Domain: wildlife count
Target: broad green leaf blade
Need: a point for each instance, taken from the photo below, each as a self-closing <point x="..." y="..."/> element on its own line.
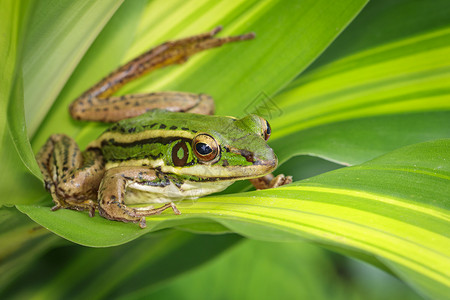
<point x="405" y="76"/>
<point x="58" y="37"/>
<point x="16" y="124"/>
<point x="104" y="55"/>
<point x="278" y="54"/>
<point x="235" y="74"/>
<point x="14" y="17"/>
<point x="409" y="76"/>
<point x="356" y="140"/>
<point x="394" y="207"/>
<point x="359" y="99"/>
<point x="383" y="22"/>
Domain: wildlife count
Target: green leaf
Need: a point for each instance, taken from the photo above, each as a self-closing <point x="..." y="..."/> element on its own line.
<point x="343" y="110"/>
<point x="57" y="39"/>
<point x="394" y="208"/>
<point x="383" y="22"/>
<point x="235" y="74"/>
<point x="355" y="141"/>
<point x="14" y="18"/>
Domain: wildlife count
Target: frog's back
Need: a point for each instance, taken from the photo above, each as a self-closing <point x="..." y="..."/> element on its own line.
<point x="148" y="135"/>
<point x="156" y="138"/>
<point x="168" y="121"/>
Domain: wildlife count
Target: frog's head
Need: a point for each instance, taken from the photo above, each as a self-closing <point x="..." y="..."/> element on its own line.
<point x="226" y="148"/>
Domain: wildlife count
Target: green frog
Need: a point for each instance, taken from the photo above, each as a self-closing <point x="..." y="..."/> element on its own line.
<point x="163" y="147"/>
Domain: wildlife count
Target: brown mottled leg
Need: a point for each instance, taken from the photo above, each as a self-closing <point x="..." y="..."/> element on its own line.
<point x="112" y="191"/>
<point x="96" y="103"/>
<point x="128" y="106"/>
<point x="269" y="181"/>
<point x="71" y="176"/>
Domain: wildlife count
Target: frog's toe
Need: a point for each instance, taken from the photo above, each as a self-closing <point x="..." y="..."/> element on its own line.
<point x="280" y="180"/>
<point x="92" y="211"/>
<point x="142" y="223"/>
<point x="48" y="185"/>
<point x="175" y="209"/>
<point x="56" y="207"/>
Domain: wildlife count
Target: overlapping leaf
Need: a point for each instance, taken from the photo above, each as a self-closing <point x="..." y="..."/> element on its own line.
<point x="361" y="106"/>
<point x="385" y="208"/>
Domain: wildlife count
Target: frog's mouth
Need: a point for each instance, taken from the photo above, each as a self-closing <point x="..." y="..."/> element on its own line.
<point x="224" y="173"/>
<point x="242" y="164"/>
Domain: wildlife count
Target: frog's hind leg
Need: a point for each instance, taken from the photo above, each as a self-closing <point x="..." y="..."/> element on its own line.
<point x="96" y="104"/>
<point x="71" y="176"/>
<point x="128" y="106"/>
<point x="112" y="191"/>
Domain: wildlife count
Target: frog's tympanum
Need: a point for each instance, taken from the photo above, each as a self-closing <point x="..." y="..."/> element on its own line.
<point x="164" y="146"/>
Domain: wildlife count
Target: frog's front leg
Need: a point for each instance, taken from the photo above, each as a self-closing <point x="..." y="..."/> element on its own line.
<point x="270" y="181"/>
<point x="112" y="192"/>
<point x="71" y="176"/>
<point x="97" y="104"/>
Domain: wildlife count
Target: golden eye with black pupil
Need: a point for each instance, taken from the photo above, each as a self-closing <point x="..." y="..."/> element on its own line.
<point x="206" y="148"/>
<point x="203" y="149"/>
<point x="266" y="130"/>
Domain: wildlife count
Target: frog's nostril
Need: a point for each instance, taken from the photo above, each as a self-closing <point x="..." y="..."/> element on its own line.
<point x="249" y="156"/>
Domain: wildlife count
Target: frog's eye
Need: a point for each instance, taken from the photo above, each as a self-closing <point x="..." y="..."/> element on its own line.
<point x="266" y="130"/>
<point x="206" y="148"/>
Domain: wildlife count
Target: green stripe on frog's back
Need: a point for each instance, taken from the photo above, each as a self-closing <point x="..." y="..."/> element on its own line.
<point x="165" y="120"/>
<point x="136" y="137"/>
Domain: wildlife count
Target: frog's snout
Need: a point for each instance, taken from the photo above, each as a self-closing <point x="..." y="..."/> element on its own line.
<point x="266" y="159"/>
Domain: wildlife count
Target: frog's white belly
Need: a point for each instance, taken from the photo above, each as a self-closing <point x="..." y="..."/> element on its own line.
<point x="142" y="194"/>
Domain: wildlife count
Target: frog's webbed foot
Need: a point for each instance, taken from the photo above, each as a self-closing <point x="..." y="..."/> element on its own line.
<point x="97" y="104"/>
<point x="71" y="177"/>
<point x="112" y="191"/>
<point x="269" y="181"/>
